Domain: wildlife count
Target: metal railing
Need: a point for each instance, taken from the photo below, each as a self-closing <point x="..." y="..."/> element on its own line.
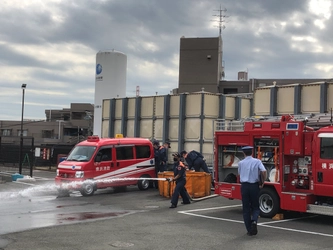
<point x="227" y="125"/>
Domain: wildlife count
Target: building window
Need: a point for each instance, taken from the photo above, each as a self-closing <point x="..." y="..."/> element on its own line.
<point x="47" y="133"/>
<point x="25" y="132"/>
<point x="230" y="91"/>
<point x="78" y="115"/>
<point x="6" y="132"/>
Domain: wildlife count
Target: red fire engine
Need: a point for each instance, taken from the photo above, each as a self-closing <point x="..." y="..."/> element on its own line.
<point x="298" y="158"/>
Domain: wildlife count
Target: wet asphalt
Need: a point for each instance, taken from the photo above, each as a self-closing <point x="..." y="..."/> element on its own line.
<point x="33" y="217"/>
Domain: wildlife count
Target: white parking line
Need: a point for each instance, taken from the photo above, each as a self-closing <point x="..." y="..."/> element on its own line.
<point x="286" y="220"/>
<point x="210" y="217"/>
<point x="298" y="231"/>
<point x="211" y="208"/>
<point x="264" y="224"/>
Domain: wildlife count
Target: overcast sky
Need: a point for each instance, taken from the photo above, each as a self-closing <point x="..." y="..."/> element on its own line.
<point x="51" y="45"/>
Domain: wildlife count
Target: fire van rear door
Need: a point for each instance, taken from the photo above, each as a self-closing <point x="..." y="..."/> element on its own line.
<point x="125" y="166"/>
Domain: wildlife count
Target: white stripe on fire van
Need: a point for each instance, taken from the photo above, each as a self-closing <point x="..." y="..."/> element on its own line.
<point x="128" y="170"/>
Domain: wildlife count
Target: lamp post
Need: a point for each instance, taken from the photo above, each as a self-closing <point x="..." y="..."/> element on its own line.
<point x="21" y="131"/>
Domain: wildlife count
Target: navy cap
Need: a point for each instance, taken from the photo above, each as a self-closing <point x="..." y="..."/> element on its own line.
<point x="247" y="148"/>
<point x="156" y="142"/>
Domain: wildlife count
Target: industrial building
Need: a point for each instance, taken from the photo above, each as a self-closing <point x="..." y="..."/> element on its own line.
<point x="64" y="127"/>
<point x="201" y="68"/>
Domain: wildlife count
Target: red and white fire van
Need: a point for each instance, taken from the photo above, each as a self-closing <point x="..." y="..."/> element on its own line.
<point x="106" y="162"/>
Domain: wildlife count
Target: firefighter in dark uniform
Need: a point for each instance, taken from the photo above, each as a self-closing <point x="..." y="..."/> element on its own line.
<point x="195" y="161"/>
<point x="251" y="171"/>
<point x="179" y="171"/>
<point x="156" y="145"/>
<point x="163" y="156"/>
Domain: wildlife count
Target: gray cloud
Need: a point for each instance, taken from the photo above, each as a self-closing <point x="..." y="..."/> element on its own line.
<point x="52" y="47"/>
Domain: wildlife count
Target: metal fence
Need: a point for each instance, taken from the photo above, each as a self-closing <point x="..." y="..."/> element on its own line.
<point x="10" y="152"/>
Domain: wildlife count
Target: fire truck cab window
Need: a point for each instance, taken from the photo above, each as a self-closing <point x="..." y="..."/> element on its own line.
<point x="124" y="153"/>
<point x="326" y="148"/>
<point x="142" y="151"/>
<point x="81" y="153"/>
<point x="104" y="154"/>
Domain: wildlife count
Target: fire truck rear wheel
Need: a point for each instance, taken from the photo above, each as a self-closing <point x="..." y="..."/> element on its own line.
<point x="143" y="184"/>
<point x="88" y="188"/>
<point x="269" y="203"/>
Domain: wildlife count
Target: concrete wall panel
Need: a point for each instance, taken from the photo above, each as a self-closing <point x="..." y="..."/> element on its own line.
<point x="146" y="129"/>
<point x="310" y="92"/>
<point x="130" y="128"/>
<point x="147" y="107"/>
<point x="117" y="128"/>
<point x="208" y="129"/>
<point x="230" y="107"/>
<point x="192" y="129"/>
<point x="119" y="108"/>
<point x="173" y="129"/>
<point x="211" y="108"/>
<point x="131" y="107"/>
<point x="245" y="108"/>
<point x="193" y="105"/>
<point x="285" y="100"/>
<point x="261" y="96"/>
<point x="105" y="128"/>
<point x="188" y="146"/>
<point x="207" y="148"/>
<point x="158" y="132"/>
<point x="330" y="96"/>
<point x="159" y="107"/>
<point x="106" y="110"/>
<point x="174" y="105"/>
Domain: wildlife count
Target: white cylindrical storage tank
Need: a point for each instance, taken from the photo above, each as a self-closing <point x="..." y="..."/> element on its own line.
<point x="110" y="82"/>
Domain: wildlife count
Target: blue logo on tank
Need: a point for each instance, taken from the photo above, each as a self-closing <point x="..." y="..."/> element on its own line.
<point x="98" y="69"/>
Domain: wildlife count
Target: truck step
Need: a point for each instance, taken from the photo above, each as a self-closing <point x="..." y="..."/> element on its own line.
<point x="320" y="209"/>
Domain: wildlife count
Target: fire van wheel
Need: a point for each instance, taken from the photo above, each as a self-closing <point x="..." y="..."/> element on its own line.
<point x="269" y="203"/>
<point x="88" y="188"/>
<point x="143" y="183"/>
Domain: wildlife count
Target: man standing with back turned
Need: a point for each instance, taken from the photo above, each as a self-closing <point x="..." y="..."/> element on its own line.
<point x="251" y="171"/>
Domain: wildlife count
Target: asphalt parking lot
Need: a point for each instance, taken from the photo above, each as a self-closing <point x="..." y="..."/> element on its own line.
<point x="135" y="219"/>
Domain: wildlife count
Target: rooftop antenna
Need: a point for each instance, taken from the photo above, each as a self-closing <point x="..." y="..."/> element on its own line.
<point x="221" y="20"/>
<point x="222" y="16"/>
